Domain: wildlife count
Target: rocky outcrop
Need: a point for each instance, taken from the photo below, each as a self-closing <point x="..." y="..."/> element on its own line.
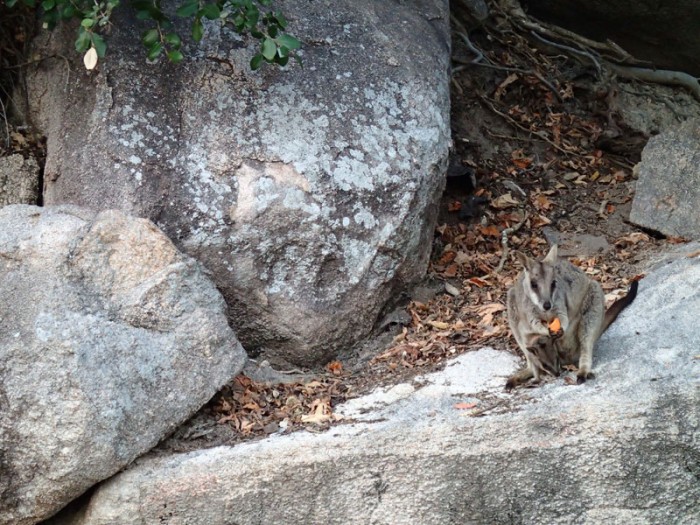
<point x="109" y="338"/>
<point x="309" y="194"/>
<point x="667" y="197"/>
<point x="623" y="448"/>
<point x="19" y="180"/>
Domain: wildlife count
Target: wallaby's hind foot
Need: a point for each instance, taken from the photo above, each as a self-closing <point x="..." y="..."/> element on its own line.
<point x="520" y="377"/>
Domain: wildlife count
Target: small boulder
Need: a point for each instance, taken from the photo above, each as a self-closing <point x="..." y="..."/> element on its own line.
<point x="667" y="198"/>
<point x="109" y="338"/>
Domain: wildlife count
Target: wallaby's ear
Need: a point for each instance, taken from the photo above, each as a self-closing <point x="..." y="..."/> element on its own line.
<point x="551" y="257"/>
<point x="525" y="260"/>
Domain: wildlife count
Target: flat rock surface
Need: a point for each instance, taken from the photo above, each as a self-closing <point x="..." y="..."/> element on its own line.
<point x="667" y="198"/>
<point x="109" y="339"/>
<point x="452" y="447"/>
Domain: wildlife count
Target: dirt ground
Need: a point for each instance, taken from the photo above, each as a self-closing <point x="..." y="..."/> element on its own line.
<point x="544" y="152"/>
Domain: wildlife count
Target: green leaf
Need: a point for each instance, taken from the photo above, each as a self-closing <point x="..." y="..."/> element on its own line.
<point x="68" y="11"/>
<point x="197" y="29"/>
<point x="99" y="44"/>
<point x="210" y="11"/>
<point x="282" y="61"/>
<point x="10" y="3"/>
<point x="282" y="52"/>
<point x="46" y="5"/>
<point x="188" y="8"/>
<point x="281" y="20"/>
<point x="173" y="39"/>
<point x="83" y="42"/>
<point x="272" y="31"/>
<point x="251" y="19"/>
<point x="87" y="23"/>
<point x="288" y="41"/>
<point x="269" y="48"/>
<point x="256" y="61"/>
<point x="154" y="51"/>
<point x="266" y="3"/>
<point x="150" y="37"/>
<point x="175" y="56"/>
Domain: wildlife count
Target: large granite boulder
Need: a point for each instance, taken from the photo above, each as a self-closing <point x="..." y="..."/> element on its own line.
<point x="667" y="197"/>
<point x="623" y="448"/>
<point x="309" y="194"/>
<point x="109" y="338"/>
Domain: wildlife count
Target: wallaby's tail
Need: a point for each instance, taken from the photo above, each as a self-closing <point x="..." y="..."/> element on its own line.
<point x="619" y="305"/>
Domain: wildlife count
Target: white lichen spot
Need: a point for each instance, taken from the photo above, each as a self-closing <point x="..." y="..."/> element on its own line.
<point x="133" y="159"/>
<point x="365" y="218"/>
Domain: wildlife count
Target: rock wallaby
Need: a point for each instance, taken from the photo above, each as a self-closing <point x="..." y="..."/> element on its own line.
<point x="549" y="289"/>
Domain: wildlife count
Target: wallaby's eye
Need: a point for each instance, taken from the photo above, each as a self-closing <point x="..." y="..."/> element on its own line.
<point x="534" y="285"/>
<point x="554" y="285"/>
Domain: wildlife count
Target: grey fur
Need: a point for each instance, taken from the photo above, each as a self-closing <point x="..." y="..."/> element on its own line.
<point x="575" y="299"/>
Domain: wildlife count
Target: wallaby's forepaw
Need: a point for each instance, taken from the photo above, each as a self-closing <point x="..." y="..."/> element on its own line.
<point x="582" y="376"/>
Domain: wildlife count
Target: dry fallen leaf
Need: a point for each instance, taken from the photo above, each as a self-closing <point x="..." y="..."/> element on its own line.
<point x="464" y="406"/>
<point x="439" y="325"/>
<point x="632" y="239"/>
<point x="490" y="231"/>
<point x="504" y="201"/>
<point x="320" y="412"/>
<point x="541" y="202"/>
<point x="335" y="368"/>
<point x="503" y="85"/>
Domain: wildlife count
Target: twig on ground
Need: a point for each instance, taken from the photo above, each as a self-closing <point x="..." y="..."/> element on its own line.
<point x="570" y="49"/>
<point x="504" y="242"/>
<point x="480" y="56"/>
<point x="539" y="134"/>
<point x="7" y="125"/>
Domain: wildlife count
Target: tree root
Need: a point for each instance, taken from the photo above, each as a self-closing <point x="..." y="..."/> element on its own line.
<point x="504" y="242"/>
<point x="617" y="60"/>
<point x="658" y="76"/>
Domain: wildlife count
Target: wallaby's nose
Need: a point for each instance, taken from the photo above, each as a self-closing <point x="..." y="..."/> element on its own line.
<point x="547" y="305"/>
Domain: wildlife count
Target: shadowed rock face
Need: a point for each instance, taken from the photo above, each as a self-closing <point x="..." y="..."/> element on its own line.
<point x="667" y="196"/>
<point x="623" y="448"/>
<point x="664" y="32"/>
<point x="310" y="194"/>
<point x="109" y="339"/>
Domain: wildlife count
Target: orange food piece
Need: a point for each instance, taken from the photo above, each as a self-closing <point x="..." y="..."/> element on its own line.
<point x="555" y="325"/>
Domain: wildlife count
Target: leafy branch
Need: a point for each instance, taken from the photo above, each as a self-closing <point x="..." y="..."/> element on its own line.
<point x="246" y="17"/>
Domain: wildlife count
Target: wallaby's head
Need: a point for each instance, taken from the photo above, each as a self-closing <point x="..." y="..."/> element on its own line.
<point x="540" y="283"/>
